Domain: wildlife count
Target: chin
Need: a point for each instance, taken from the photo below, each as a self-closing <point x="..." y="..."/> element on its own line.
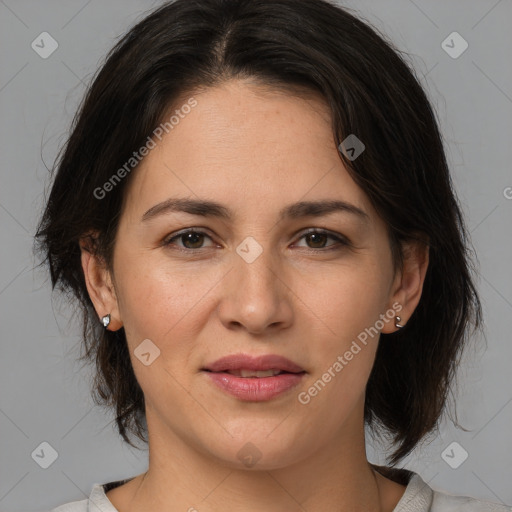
<point x="257" y="450"/>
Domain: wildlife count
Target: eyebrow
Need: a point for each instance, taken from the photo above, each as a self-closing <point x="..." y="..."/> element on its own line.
<point x="297" y="210"/>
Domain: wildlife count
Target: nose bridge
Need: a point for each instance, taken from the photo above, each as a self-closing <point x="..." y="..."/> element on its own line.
<point x="255" y="262"/>
<point x="255" y="298"/>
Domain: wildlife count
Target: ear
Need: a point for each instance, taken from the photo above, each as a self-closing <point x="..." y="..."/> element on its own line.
<point x="99" y="284"/>
<point x="408" y="283"/>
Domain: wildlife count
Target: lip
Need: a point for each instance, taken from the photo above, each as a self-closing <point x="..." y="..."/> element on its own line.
<point x="254" y="389"/>
<point x="259" y="363"/>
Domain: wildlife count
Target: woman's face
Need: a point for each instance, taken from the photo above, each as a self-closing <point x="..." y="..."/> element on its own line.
<point x="251" y="280"/>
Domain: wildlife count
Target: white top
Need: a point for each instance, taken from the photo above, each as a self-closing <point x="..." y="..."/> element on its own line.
<point x="418" y="497"/>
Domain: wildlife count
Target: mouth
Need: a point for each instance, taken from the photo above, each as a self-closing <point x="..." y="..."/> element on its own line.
<point x="254" y="379"/>
<point x="244" y="373"/>
<point x="244" y="364"/>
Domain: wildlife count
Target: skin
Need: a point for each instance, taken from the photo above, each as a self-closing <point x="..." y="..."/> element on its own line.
<point x="255" y="151"/>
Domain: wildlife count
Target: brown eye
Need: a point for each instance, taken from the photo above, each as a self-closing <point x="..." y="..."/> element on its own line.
<point x="318" y="239"/>
<point x="192" y="240"/>
<point x="189" y="240"/>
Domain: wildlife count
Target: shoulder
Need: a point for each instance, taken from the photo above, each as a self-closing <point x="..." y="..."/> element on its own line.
<point x="444" y="502"/>
<point x="75" y="506"/>
<point x="420" y="497"/>
<point x="97" y="502"/>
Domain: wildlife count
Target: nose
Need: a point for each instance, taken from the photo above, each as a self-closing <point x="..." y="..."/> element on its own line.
<point x="255" y="296"/>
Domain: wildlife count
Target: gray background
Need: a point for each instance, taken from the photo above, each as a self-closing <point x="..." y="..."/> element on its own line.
<point x="45" y="395"/>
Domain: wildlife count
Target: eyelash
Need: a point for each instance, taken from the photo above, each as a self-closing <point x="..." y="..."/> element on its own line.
<point x="338" y="238"/>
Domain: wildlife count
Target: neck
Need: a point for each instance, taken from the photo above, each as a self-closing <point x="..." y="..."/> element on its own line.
<point x="335" y="477"/>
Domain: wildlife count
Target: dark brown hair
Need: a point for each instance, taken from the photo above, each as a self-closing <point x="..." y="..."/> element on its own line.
<point x="188" y="45"/>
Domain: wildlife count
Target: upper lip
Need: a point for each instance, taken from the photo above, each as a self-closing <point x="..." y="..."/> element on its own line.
<point x="259" y="363"/>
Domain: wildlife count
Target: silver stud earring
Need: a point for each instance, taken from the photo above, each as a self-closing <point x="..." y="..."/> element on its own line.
<point x="397" y="322"/>
<point x="106" y="320"/>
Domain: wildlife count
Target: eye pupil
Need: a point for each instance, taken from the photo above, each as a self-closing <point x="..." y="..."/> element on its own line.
<point x="196" y="239"/>
<point x="318" y="239"/>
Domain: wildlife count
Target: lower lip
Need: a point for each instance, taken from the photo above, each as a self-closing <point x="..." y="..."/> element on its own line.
<point x="255" y="389"/>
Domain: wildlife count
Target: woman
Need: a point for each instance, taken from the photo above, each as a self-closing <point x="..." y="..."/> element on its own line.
<point x="255" y="212"/>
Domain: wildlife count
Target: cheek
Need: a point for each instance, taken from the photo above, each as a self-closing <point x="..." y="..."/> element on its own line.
<point x="344" y="308"/>
<point x="158" y="301"/>
<point x="169" y="308"/>
<point x="342" y="302"/>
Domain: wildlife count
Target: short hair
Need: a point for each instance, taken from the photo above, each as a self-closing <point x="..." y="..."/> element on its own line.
<point x="188" y="46"/>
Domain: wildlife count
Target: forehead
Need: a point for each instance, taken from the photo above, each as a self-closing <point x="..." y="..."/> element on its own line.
<point x="244" y="144"/>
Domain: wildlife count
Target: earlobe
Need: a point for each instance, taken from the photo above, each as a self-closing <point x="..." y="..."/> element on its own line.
<point x="410" y="283"/>
<point x="100" y="288"/>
